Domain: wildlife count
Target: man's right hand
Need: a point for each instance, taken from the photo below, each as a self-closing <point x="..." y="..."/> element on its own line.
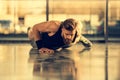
<point x="46" y="51"/>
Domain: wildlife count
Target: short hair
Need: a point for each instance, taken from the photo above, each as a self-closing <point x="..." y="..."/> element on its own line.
<point x="69" y="24"/>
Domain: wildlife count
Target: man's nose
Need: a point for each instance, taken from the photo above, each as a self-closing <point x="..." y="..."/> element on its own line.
<point x="69" y="36"/>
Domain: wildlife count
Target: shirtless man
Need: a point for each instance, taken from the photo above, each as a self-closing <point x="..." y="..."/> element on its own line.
<point x="52" y="35"/>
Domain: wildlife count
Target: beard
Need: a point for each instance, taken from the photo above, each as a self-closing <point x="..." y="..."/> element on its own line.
<point x="67" y="41"/>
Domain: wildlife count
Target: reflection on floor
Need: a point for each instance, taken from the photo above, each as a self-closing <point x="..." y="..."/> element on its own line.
<point x="18" y="62"/>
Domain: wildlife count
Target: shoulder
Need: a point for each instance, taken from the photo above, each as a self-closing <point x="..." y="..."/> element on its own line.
<point x="53" y="25"/>
<point x="47" y="26"/>
<point x="79" y="27"/>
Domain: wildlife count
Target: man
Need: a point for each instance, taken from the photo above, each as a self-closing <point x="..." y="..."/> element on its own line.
<point x="52" y="35"/>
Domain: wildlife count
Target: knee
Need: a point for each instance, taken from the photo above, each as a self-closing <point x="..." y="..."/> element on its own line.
<point x="30" y="34"/>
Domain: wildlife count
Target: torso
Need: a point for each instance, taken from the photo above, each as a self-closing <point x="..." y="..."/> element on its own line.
<point x="53" y="41"/>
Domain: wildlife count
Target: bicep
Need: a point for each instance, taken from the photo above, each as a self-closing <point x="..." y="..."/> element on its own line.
<point x="79" y="32"/>
<point x="37" y="29"/>
<point x="40" y="28"/>
<point x="79" y="28"/>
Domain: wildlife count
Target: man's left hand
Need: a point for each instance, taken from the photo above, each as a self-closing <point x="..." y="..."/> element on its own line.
<point x="46" y="51"/>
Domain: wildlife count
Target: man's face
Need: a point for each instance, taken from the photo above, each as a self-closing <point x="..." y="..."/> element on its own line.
<point x="68" y="36"/>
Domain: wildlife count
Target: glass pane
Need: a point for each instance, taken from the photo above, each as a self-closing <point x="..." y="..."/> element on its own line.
<point x="18" y="15"/>
<point x="114" y="19"/>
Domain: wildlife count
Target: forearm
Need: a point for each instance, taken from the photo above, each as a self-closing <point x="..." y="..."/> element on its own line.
<point x="39" y="44"/>
<point x="37" y="37"/>
<point x="85" y="41"/>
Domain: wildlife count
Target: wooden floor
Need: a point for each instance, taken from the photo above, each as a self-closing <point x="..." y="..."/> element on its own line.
<point x="21" y="62"/>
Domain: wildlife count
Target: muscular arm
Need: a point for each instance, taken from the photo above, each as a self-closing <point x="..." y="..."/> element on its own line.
<point x="50" y="26"/>
<point x="37" y="29"/>
<point x="79" y="30"/>
<point x="81" y="38"/>
<point x="85" y="41"/>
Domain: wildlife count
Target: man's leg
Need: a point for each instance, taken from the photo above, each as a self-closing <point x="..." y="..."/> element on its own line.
<point x="33" y="44"/>
<point x="31" y="38"/>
